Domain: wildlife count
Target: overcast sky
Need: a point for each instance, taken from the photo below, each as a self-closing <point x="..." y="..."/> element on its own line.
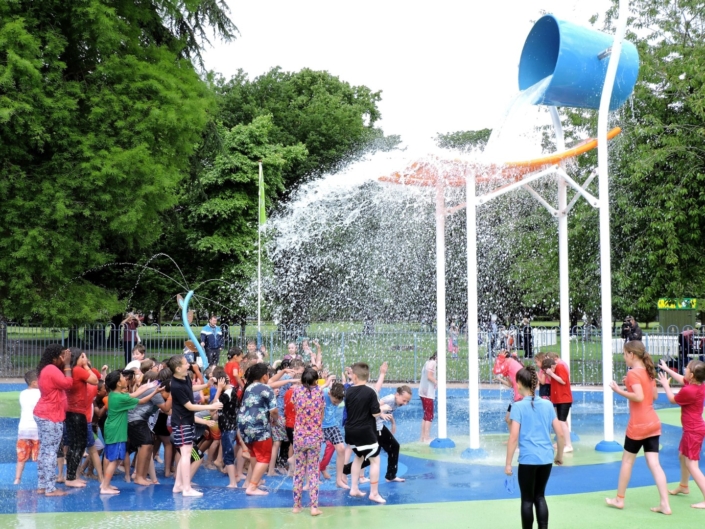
<point x="442" y="66"/>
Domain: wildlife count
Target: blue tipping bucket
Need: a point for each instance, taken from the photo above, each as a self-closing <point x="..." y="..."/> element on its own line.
<point x="571" y="54"/>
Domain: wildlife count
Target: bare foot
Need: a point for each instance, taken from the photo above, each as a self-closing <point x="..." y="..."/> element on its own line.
<point x="16" y="482"/>
<point x="41" y="491"/>
<point x="75" y="483"/>
<point x="316" y="511"/>
<point x="325" y="474"/>
<point x="158" y="459"/>
<point x="306" y="487"/>
<point x="167" y="474"/>
<point x="363" y="479"/>
<point x="396" y="480"/>
<point x="192" y="493"/>
<point x="296" y="510"/>
<point x="209" y="466"/>
<point x="241" y="477"/>
<point x="255" y="492"/>
<point x="567" y="449"/>
<point x="231" y="486"/>
<point x="272" y="474"/>
<point x="177" y="490"/>
<point x="109" y="491"/>
<point x="143" y="482"/>
<point x="661" y="509"/>
<point x="680" y="489"/>
<point x="60" y="479"/>
<point x="617" y="503"/>
<point x="357" y="493"/>
<point x="377" y="498"/>
<point x="57" y="492"/>
<point x="112" y="487"/>
<point x="342" y="485"/>
<point x="700" y="505"/>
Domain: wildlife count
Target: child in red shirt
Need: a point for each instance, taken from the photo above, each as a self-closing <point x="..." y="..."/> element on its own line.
<point x="289" y="421"/>
<point x="690" y="398"/>
<point x="561" y="395"/>
<point x="232" y="367"/>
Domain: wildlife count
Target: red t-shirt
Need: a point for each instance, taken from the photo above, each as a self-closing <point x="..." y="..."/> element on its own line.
<point x="561" y="393"/>
<point x="76" y="396"/>
<point x="289" y="409"/>
<point x="53" y="385"/>
<point x="690" y="398"/>
<point x="232" y="369"/>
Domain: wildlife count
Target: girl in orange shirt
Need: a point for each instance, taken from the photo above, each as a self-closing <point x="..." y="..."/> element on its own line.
<point x="644" y="427"/>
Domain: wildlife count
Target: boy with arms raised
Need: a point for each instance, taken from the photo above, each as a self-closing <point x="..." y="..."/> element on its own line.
<point x="115" y="432"/>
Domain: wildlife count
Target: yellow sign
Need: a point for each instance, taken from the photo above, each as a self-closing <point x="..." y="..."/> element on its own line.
<point x="678" y="304"/>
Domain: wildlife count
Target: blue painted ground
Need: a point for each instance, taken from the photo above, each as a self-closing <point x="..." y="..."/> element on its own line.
<point x="427" y="480"/>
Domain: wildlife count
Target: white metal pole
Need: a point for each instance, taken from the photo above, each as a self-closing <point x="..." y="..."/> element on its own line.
<point x="473" y="324"/>
<point x="563" y="270"/>
<point x="441" y="308"/>
<point x="259" y="253"/>
<point x="605" y="270"/>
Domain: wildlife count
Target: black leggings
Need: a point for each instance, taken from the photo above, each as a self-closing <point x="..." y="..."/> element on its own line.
<point x="532" y="484"/>
<point x="76" y="430"/>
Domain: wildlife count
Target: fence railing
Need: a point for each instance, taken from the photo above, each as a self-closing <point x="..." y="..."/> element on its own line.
<point x="406" y="351"/>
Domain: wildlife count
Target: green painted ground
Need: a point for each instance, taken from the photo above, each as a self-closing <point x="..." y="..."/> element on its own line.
<point x="579" y="511"/>
<point x="10" y="404"/>
<point x="671" y="416"/>
<point x="495" y="444"/>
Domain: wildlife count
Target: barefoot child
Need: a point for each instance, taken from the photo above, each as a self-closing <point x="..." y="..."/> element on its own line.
<point x="427" y="394"/>
<point x="644" y="427"/>
<point x="332" y="421"/>
<point x="119" y="403"/>
<point x="362" y="409"/>
<point x="258" y="409"/>
<point x="27" y="433"/>
<point x="183" y="411"/>
<point x="308" y="436"/>
<point x="506" y="367"/>
<point x="561" y="395"/>
<point x="690" y="398"/>
<point x="530" y="428"/>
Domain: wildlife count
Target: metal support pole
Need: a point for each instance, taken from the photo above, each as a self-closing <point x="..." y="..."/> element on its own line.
<point x="474" y="451"/>
<point x="563" y="271"/>
<point x="442" y="441"/>
<point x="608" y="444"/>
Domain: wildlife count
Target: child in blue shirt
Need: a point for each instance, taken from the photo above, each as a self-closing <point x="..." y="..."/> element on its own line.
<point x="531" y="420"/>
<point x="332" y="421"/>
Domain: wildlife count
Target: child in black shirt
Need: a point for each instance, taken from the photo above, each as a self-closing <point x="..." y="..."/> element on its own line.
<point x="362" y="407"/>
<point x="182" y="420"/>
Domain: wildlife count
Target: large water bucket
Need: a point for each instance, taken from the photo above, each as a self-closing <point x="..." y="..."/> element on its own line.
<point x="576" y="58"/>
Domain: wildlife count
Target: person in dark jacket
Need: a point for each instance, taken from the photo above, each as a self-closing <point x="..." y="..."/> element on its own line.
<point x="212" y="340"/>
<point x="631" y="330"/>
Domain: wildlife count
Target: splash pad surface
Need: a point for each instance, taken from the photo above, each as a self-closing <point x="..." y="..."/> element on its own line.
<point x="439" y="486"/>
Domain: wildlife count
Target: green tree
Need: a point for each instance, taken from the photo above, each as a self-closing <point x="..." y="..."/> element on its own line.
<point x="464" y="140"/>
<point x="100" y="113"/>
<point x="334" y="120"/>
<point x="658" y="198"/>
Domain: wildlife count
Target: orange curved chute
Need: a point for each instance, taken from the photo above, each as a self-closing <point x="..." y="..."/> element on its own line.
<point x="452" y="173"/>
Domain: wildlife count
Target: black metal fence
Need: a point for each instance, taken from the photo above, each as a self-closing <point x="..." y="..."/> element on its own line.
<point x="405" y="350"/>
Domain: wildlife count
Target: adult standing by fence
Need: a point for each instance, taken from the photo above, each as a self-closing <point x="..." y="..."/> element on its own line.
<point x="50" y="413"/>
<point x="130" y="336"/>
<point x="631" y="330"/>
<point x="527" y="339"/>
<point x="212" y="340"/>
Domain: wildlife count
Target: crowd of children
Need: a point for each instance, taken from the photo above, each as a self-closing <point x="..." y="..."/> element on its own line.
<point x="250" y="418"/>
<point x="280" y="417"/>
